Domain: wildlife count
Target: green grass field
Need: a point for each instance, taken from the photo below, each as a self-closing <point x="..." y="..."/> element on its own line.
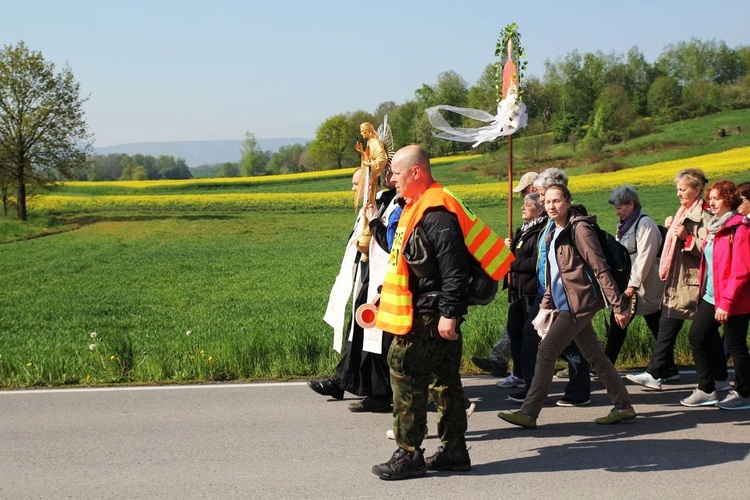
<point x="205" y="296"/>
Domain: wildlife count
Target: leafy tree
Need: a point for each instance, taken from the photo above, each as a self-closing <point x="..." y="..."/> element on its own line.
<point x="423" y="136"/>
<point x="356" y="119"/>
<point x="426" y="96"/>
<point x="334" y="142"/>
<point x="729" y="66"/>
<point x="450" y="89"/>
<point x="165" y="164"/>
<point x="743" y="53"/>
<point x="253" y="161"/>
<point x="613" y="114"/>
<point x="229" y="169"/>
<point x="134" y="172"/>
<point x="578" y="80"/>
<point x="482" y="95"/>
<point x="43" y="132"/>
<point x="637" y="79"/>
<point x="125" y="161"/>
<point x="402" y="121"/>
<point x="149" y="163"/>
<point x="664" y="98"/>
<point x="208" y="170"/>
<point x="699" y="60"/>
<point x="384" y="108"/>
<point x="173" y="168"/>
<point x="700" y="98"/>
<point x="563" y="125"/>
<point x="104" y="167"/>
<point x="308" y="161"/>
<point x="540" y="102"/>
<point x="737" y="95"/>
<point x="182" y="171"/>
<point x="288" y="159"/>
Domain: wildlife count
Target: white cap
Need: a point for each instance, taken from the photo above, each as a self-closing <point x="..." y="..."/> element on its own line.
<point x="526" y="180"/>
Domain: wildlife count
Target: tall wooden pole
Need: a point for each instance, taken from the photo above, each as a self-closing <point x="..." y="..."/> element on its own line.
<point x="510" y="186"/>
<point x="510" y="78"/>
<point x="510" y="199"/>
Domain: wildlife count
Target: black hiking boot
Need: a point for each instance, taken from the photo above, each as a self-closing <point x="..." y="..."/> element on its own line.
<point x="402" y="465"/>
<point x="446" y="460"/>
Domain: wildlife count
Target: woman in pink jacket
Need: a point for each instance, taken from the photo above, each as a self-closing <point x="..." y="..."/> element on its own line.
<point x="725" y="300"/>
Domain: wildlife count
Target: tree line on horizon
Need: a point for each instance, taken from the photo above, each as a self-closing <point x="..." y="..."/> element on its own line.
<point x="137" y="167"/>
<point x="594" y="98"/>
<point x="590" y="98"/>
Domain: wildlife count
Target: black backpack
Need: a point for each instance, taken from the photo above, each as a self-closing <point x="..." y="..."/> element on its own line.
<point x="482" y="287"/>
<point x="616" y="255"/>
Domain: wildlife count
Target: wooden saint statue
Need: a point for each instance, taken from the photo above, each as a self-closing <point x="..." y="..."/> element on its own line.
<point x="374" y="160"/>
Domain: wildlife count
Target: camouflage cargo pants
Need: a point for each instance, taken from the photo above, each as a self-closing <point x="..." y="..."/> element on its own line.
<point x="423" y="362"/>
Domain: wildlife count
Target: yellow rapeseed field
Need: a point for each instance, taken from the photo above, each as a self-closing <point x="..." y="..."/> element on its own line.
<point x="452" y="159"/>
<point x="217" y="181"/>
<point x="715" y="165"/>
<point x="193" y="202"/>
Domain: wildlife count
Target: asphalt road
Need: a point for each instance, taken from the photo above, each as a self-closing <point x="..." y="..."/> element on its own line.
<point x="282" y="441"/>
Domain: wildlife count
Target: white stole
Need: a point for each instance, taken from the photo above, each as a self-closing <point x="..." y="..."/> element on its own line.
<point x="335" y="314"/>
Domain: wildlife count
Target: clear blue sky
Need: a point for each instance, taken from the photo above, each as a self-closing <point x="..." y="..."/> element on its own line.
<point x="170" y="70"/>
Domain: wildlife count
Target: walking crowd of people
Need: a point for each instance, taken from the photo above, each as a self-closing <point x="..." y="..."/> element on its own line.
<point x="696" y="268"/>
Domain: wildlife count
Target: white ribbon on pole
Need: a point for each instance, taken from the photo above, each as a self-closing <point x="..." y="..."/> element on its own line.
<point x="511" y="116"/>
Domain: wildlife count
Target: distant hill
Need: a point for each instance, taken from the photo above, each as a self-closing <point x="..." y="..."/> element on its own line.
<point x="199" y="152"/>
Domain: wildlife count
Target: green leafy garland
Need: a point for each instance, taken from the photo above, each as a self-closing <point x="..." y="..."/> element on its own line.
<point x="510" y="32"/>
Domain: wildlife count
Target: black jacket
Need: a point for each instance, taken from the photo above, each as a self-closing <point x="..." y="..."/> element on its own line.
<point x="437" y="259"/>
<point x="523" y="270"/>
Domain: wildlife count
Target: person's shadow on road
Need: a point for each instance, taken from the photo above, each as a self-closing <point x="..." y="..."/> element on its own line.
<point x="637" y="455"/>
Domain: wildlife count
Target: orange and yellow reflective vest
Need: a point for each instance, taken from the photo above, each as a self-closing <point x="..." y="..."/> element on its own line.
<point x="395" y="310"/>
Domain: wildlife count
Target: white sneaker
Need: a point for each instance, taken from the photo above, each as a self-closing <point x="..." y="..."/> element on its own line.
<point x="510" y="382"/>
<point x="700" y="398"/>
<point x="734" y="401"/>
<point x="722" y="385"/>
<point x="645" y="379"/>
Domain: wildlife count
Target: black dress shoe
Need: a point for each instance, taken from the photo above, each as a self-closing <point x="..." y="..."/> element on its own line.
<point x="518" y="397"/>
<point x="496" y="368"/>
<point x="326" y="387"/>
<point x="371" y="405"/>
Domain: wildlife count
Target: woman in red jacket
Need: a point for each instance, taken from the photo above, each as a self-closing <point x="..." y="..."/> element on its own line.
<point x="725" y="300"/>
